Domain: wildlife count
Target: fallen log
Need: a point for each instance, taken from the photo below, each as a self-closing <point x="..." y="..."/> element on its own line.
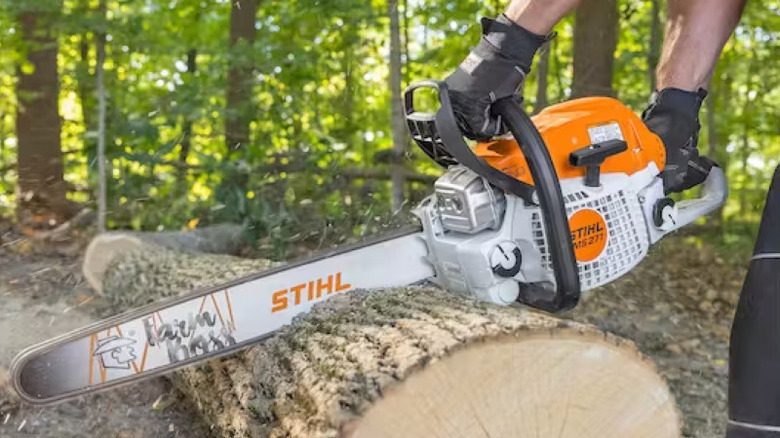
<point x="408" y="362"/>
<point x="216" y="239"/>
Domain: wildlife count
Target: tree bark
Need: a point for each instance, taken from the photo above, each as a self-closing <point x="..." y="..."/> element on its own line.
<point x="238" y="110"/>
<point x="595" y="41"/>
<point x="398" y="120"/>
<point x="407" y="362"/>
<point x="41" y="187"/>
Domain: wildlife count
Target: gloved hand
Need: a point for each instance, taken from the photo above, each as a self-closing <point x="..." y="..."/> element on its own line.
<point x="495" y="68"/>
<point x="673" y="115"/>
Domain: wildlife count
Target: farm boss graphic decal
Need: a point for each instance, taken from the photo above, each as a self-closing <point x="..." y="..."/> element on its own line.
<point x="160" y="340"/>
<point x="200" y="333"/>
<point x="115" y="352"/>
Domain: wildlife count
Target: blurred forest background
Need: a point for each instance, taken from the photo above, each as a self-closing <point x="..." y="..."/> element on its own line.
<point x="285" y="116"/>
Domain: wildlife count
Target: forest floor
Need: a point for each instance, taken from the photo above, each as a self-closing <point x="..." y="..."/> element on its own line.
<point x="677" y="306"/>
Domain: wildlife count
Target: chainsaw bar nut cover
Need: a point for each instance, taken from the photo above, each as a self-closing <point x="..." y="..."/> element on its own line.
<point x="506" y="259"/>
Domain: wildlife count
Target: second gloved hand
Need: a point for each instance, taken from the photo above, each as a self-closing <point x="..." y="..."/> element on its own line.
<point x="495" y="69"/>
<point x="673" y="115"/>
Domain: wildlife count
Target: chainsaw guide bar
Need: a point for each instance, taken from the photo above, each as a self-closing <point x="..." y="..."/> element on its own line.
<point x="208" y="323"/>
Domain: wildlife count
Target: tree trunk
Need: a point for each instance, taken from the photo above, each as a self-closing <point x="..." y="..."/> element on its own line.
<point x="87" y="95"/>
<point x="747" y="123"/>
<point x="408" y="362"/>
<point x="724" y="93"/>
<point x="595" y="41"/>
<point x="555" y="66"/>
<point x="714" y="220"/>
<point x="100" y="46"/>
<point x="542" y="77"/>
<point x="238" y="110"/>
<point x="41" y="187"/>
<point x="186" y="132"/>
<point x="186" y="135"/>
<point x="348" y="126"/>
<point x="398" y="120"/>
<point x="407" y="61"/>
<point x="656" y="37"/>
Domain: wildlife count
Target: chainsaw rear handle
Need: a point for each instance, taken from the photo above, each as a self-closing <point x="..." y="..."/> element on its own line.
<point x="448" y="147"/>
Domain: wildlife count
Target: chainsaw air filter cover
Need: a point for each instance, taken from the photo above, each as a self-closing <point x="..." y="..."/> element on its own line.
<point x="577" y="124"/>
<point x="571" y="126"/>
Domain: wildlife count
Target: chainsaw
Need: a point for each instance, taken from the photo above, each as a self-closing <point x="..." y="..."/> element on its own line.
<point x="570" y="201"/>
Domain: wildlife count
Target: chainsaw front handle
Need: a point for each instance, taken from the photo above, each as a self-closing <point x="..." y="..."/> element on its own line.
<point x="556" y="222"/>
<point x="447" y="147"/>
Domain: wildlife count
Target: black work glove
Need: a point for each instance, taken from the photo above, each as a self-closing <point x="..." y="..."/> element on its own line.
<point x="495" y="68"/>
<point x="673" y="115"/>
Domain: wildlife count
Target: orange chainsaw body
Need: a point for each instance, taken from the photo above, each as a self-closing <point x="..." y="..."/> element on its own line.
<point x="566" y="127"/>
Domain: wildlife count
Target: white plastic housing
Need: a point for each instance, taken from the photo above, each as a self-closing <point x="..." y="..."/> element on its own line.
<point x="462" y="244"/>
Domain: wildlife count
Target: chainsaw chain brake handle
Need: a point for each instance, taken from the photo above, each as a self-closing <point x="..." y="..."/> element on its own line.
<point x="439" y="136"/>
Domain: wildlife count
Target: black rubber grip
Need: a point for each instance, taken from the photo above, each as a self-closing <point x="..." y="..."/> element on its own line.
<point x="548" y="189"/>
<point x="450" y="139"/>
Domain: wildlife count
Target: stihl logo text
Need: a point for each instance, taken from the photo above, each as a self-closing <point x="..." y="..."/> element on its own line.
<point x="310" y="291"/>
<point x="588" y="234"/>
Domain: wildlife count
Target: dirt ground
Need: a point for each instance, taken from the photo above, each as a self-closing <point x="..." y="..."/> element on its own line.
<point x="677" y="306"/>
<point x="43" y="294"/>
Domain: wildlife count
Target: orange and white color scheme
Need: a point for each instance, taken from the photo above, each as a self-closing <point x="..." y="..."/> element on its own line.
<point x="576" y="124"/>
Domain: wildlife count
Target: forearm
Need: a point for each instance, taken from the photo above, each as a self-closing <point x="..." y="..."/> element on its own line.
<point x="539" y="16"/>
<point x="696" y="32"/>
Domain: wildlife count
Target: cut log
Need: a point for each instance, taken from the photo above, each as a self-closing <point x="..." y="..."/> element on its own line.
<point x="216" y="239"/>
<point x="148" y="273"/>
<point x="411" y="362"/>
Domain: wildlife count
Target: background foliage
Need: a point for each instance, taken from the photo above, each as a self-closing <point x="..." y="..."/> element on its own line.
<point x="318" y="105"/>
